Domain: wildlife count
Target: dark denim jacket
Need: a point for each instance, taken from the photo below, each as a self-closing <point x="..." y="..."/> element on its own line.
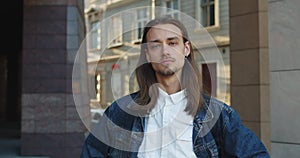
<point x="217" y="132"/>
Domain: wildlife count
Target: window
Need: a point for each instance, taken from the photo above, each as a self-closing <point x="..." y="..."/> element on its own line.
<point x="116" y="81"/>
<point x="173" y="6"/>
<point x="98" y="86"/>
<point x="207" y="12"/>
<point x="94" y="35"/>
<point x="141" y="19"/>
<point x="112" y="1"/>
<point x="115" y="31"/>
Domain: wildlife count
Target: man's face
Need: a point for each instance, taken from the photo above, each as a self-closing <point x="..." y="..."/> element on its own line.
<point x="166" y="50"/>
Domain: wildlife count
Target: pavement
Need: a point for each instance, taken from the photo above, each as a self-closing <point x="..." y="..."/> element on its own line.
<point x="10" y="142"/>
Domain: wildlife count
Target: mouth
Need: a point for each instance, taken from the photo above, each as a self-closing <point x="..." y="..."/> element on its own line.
<point x="167" y="61"/>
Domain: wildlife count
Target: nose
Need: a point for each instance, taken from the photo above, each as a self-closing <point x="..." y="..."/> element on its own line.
<point x="166" y="49"/>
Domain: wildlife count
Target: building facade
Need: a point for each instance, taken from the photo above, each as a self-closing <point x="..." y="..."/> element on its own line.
<point x="36" y="87"/>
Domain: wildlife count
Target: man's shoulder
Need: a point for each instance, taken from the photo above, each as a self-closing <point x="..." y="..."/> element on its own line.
<point x="118" y="112"/>
<point x="125" y="100"/>
<point x="129" y="97"/>
<point x="213" y="103"/>
<point x="120" y="105"/>
<point x="213" y="108"/>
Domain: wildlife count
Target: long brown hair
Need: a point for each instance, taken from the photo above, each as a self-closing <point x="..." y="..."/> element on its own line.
<point x="191" y="79"/>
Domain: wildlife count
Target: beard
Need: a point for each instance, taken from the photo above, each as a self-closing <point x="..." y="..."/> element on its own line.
<point x="166" y="71"/>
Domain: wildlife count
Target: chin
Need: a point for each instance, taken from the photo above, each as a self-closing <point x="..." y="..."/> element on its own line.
<point x="167" y="72"/>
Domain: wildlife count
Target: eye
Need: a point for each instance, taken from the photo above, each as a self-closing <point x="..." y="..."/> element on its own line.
<point x="155" y="45"/>
<point x="172" y="43"/>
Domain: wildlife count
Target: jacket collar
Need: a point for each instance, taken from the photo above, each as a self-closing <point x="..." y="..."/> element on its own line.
<point x="205" y="114"/>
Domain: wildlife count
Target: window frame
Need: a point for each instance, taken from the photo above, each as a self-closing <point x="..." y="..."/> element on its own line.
<point x="94" y="30"/>
<point x="115" y="33"/>
<point x="137" y="39"/>
<point x="199" y="15"/>
<point x="173" y="11"/>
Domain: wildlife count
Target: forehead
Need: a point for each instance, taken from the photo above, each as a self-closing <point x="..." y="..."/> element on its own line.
<point x="163" y="31"/>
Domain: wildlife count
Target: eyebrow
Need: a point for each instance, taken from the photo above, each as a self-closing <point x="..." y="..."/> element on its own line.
<point x="168" y="39"/>
<point x="172" y="38"/>
<point x="153" y="41"/>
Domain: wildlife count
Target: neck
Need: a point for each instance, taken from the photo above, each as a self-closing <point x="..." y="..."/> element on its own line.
<point x="170" y="84"/>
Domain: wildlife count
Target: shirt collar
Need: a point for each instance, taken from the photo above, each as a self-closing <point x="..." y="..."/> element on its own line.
<point x="174" y="98"/>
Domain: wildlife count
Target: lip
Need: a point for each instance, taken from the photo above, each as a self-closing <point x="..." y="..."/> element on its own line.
<point x="167" y="61"/>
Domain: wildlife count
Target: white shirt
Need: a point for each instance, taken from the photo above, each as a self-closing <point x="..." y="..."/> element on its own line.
<point x="168" y="129"/>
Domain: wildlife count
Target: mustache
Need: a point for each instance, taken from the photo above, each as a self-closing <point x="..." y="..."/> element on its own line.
<point x="167" y="58"/>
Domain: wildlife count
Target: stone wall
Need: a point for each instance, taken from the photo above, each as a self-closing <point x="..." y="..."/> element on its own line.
<point x="284" y="36"/>
<point x="53" y="31"/>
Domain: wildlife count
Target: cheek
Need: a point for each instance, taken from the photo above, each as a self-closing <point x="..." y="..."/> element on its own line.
<point x="181" y="62"/>
<point x="153" y="58"/>
<point x="180" y="59"/>
<point x="180" y="56"/>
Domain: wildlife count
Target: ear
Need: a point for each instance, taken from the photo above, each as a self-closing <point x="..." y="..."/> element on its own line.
<point x="187" y="48"/>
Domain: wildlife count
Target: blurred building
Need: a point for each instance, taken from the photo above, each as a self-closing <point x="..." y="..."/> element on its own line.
<point x="36" y="94"/>
<point x="38" y="115"/>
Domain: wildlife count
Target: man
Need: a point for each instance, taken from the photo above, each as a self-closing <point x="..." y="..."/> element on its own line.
<point x="170" y="116"/>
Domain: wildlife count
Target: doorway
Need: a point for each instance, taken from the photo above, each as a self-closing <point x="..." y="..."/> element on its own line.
<point x="10" y="68"/>
<point x="209" y="78"/>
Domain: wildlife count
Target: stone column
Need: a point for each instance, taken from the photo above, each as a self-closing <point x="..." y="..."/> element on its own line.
<point x="103" y="89"/>
<point x="53" y="31"/>
<point x="250" y="65"/>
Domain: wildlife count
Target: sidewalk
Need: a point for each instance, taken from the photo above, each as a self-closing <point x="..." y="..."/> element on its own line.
<point x="10" y="148"/>
<point x="10" y="143"/>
